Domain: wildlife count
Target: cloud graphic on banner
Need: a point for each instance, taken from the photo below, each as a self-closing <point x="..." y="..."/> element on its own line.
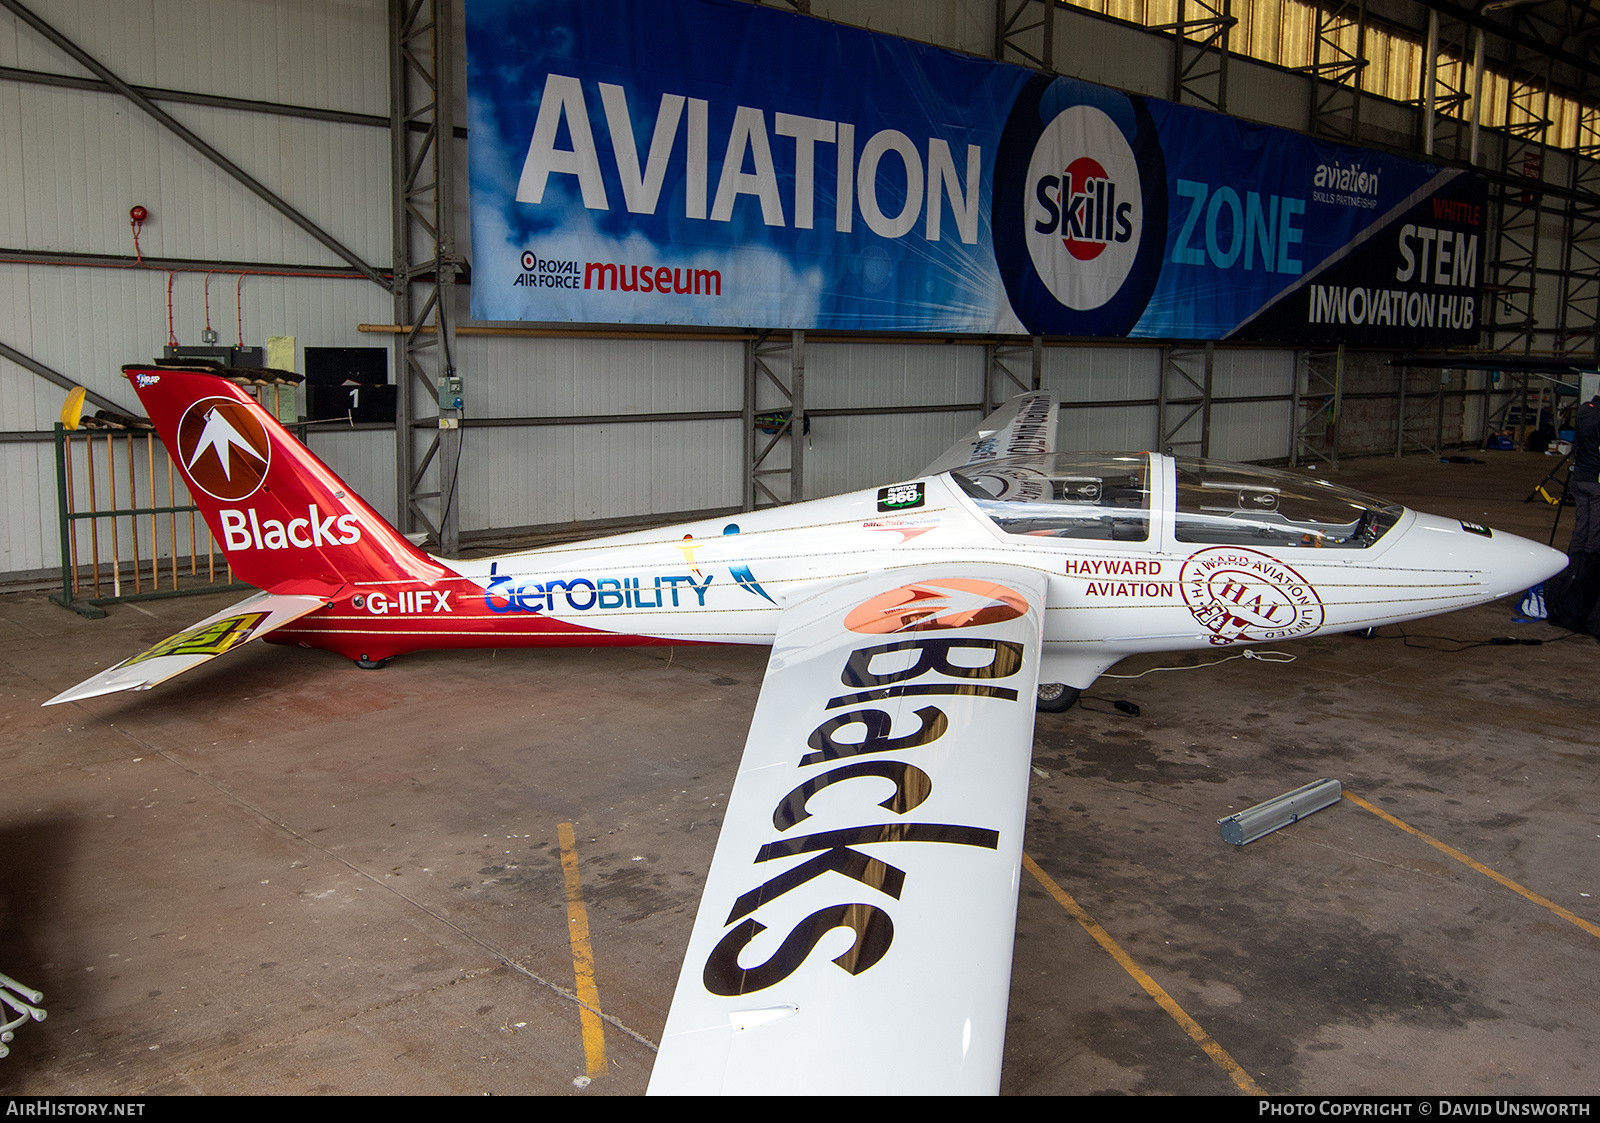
<point x="580" y="274"/>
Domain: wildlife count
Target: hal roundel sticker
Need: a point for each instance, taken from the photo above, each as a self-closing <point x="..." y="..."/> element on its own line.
<point x="1242" y="596"/>
<point x="932" y="606"/>
<point x="223" y="448"/>
<point x="1080" y="211"/>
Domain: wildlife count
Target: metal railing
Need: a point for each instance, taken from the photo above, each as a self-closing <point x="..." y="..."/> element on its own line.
<point x="116" y="534"/>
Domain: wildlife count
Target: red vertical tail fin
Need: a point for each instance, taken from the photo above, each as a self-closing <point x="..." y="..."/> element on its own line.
<point x="285" y="521"/>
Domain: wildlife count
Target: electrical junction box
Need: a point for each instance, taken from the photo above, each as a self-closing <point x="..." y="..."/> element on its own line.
<point x="450" y="389"/>
<point x="226" y="356"/>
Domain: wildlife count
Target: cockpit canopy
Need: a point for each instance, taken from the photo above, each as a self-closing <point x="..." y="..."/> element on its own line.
<point x="1106" y="498"/>
<point x="1064" y="495"/>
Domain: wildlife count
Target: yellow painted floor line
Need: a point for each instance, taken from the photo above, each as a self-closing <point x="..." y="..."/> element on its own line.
<point x="594" y="1037"/>
<point x="1543" y="902"/>
<point x="1201" y="1038"/>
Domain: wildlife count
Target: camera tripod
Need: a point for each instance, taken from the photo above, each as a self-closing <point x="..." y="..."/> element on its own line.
<point x="1542" y="490"/>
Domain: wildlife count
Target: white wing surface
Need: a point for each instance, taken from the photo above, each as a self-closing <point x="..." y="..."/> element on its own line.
<point x="856" y="929"/>
<point x="1024" y="426"/>
<point x="251" y="618"/>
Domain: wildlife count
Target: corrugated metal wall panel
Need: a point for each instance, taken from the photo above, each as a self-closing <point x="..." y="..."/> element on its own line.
<point x="80" y="176"/>
<point x="75" y="161"/>
<point x="1087" y="374"/>
<point x="327" y="55"/>
<point x="100" y="154"/>
<point x="19" y="389"/>
<point x="532" y="377"/>
<point x="363" y="458"/>
<point x="1106" y="429"/>
<point x="963" y="25"/>
<point x="866" y="375"/>
<point x="1113" y="54"/>
<point x="562" y="474"/>
<point x="317" y="312"/>
<point x="850" y="453"/>
<point x="85" y="323"/>
<point x="1097" y="374"/>
<point x="335" y="174"/>
<point x="1474" y="415"/>
<point x="696" y="375"/>
<point x="695" y="465"/>
<point x="13" y="176"/>
<point x="1238" y="373"/>
<point x="29" y="533"/>
<point x="1250" y="430"/>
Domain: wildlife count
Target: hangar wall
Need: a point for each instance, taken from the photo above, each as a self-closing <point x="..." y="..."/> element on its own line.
<point x="73" y="160"/>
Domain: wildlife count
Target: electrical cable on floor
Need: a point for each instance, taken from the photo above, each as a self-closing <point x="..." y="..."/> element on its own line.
<point x="1132" y="710"/>
<point x="1124" y="706"/>
<point x="1462" y="644"/>
<point x="1261" y="656"/>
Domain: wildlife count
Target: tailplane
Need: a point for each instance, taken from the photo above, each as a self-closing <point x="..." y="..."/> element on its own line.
<point x="1024" y="426"/>
<point x="286" y="522"/>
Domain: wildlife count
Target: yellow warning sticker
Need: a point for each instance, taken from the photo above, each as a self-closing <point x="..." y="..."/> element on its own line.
<point x="207" y="639"/>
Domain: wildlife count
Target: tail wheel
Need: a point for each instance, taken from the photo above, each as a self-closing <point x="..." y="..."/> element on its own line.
<point x="1056" y="697"/>
<point x="370" y="664"/>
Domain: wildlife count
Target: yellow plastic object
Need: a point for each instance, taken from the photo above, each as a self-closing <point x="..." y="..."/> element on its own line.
<point x="72" y="411"/>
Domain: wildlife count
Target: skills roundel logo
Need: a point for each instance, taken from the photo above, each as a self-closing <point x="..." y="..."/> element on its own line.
<point x="1084" y="227"/>
<point x="1080" y="208"/>
<point x="223" y="448"/>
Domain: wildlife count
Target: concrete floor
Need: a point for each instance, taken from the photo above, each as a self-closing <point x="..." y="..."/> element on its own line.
<point x="280" y="873"/>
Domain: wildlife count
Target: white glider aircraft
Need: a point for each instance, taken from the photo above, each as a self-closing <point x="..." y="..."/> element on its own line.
<point x="856" y="929"/>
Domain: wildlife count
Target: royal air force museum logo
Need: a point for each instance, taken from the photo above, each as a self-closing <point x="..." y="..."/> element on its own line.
<point x="223" y="448"/>
<point x="1080" y="209"/>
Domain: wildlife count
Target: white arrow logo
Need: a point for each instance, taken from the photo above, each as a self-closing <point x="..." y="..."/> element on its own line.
<point x="218" y="434"/>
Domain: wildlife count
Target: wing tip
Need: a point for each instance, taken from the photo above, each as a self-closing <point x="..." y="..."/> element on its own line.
<point x="91" y="688"/>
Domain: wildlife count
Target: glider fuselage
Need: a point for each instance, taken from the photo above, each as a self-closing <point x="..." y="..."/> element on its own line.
<point x="727" y="580"/>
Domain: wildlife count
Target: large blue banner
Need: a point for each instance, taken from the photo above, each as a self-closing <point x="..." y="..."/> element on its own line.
<point x="709" y="162"/>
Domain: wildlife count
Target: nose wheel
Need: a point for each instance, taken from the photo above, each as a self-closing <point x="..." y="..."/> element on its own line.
<point x="1056" y="697"/>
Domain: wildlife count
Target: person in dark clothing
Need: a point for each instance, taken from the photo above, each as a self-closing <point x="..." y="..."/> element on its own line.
<point x="1571" y="596"/>
<point x="1584" y="483"/>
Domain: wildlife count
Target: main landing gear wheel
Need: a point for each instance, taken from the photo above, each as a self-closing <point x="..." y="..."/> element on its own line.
<point x="1056" y="697"/>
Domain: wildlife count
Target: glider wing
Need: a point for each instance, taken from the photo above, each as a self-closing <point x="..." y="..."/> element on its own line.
<point x="856" y="929"/>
